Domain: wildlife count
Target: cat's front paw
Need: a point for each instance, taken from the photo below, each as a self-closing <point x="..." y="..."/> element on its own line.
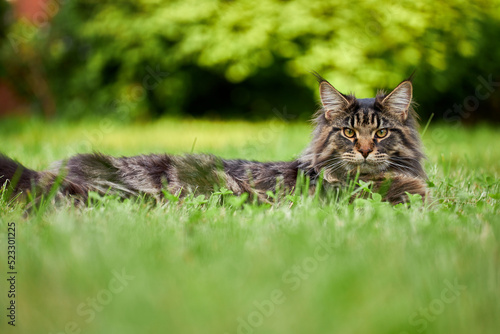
<point x="395" y="188"/>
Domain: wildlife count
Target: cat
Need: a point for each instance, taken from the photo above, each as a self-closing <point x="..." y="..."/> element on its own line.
<point x="374" y="140"/>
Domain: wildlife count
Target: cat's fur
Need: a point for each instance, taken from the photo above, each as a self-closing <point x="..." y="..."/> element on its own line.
<point x="392" y="163"/>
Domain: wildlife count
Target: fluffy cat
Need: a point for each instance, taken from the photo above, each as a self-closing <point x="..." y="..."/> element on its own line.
<point x="374" y="140"/>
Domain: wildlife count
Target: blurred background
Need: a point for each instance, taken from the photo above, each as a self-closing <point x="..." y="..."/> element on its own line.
<point x="127" y="77"/>
<point x="242" y="59"/>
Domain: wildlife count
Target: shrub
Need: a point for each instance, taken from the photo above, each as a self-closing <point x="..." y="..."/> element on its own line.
<point x="245" y="58"/>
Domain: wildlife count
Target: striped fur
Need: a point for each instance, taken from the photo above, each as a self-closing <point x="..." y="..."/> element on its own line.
<point x="392" y="163"/>
<point x="338" y="156"/>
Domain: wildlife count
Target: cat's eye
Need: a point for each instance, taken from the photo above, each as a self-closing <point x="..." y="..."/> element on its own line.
<point x="381" y="133"/>
<point x="349" y="133"/>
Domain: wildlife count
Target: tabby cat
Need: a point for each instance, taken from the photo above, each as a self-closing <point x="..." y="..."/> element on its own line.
<point x="374" y="140"/>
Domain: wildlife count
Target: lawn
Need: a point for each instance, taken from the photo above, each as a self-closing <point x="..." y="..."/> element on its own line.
<point x="317" y="266"/>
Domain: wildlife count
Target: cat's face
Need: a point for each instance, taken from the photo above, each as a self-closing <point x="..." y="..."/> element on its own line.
<point x="369" y="136"/>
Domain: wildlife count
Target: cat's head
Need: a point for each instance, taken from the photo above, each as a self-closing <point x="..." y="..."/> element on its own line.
<point x="370" y="136"/>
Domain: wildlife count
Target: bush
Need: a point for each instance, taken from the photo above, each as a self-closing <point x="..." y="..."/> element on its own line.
<point x="244" y="58"/>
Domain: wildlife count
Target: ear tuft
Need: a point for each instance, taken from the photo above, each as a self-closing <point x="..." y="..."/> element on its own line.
<point x="332" y="100"/>
<point x="399" y="100"/>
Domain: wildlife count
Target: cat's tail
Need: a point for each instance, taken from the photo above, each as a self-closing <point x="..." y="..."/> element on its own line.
<point x="16" y="178"/>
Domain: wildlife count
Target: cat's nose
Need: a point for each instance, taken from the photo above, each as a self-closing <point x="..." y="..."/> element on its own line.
<point x="365" y="151"/>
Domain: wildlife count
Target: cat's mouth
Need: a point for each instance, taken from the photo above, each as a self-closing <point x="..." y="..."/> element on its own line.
<point x="366" y="166"/>
<point x="372" y="164"/>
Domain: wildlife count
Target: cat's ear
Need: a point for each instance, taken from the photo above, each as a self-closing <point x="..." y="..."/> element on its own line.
<point x="399" y="100"/>
<point x="332" y="100"/>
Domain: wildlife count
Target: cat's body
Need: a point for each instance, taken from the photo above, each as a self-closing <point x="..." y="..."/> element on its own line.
<point x="372" y="139"/>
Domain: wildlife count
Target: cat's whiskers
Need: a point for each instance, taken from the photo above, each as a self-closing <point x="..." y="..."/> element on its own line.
<point x="403" y="168"/>
<point x="328" y="161"/>
<point x="333" y="168"/>
<point x="408" y="159"/>
<point x="335" y="165"/>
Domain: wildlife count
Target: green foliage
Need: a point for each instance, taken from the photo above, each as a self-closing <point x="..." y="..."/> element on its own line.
<point x="244" y="58"/>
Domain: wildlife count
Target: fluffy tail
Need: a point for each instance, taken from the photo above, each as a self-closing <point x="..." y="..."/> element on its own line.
<point x="16" y="177"/>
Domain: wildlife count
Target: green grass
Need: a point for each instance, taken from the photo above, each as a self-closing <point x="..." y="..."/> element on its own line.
<point x="318" y="266"/>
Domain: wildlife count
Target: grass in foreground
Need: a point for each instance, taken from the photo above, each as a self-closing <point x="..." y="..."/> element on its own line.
<point x="319" y="266"/>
